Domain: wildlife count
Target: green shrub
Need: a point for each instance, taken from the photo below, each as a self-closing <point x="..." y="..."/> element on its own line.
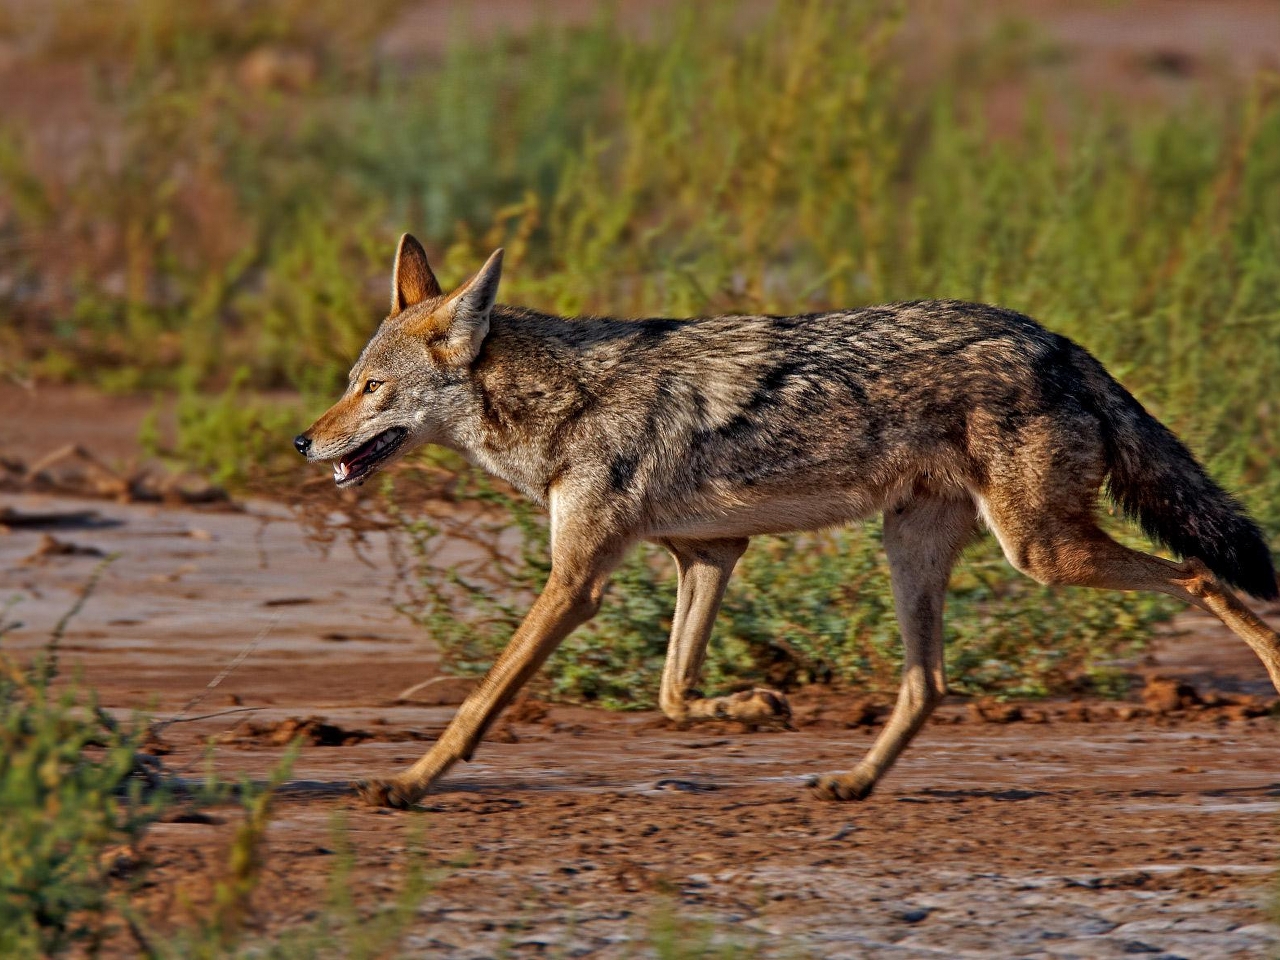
<point x="59" y="813"/>
<point x="66" y="799"/>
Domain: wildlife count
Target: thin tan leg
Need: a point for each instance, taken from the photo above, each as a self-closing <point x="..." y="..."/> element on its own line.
<point x="1203" y="589"/>
<point x="922" y="542"/>
<point x="1074" y="551"/>
<point x="704" y="568"/>
<point x="570" y="598"/>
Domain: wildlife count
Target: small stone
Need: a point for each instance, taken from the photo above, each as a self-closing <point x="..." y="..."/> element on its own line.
<point x="1164" y="695"/>
<point x="1077" y="713"/>
<point x="862" y="713"/>
<point x="987" y="710"/>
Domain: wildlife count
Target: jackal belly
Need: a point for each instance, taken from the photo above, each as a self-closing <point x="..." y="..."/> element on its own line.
<point x="738" y="516"/>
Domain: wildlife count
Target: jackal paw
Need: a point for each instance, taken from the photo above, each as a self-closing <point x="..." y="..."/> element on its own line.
<point x="383" y="793"/>
<point x="844" y="786"/>
<point x="758" y="707"/>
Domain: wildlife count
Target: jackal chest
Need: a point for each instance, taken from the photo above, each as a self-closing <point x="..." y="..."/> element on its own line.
<point x="529" y="475"/>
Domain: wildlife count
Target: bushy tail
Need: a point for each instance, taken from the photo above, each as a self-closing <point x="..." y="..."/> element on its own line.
<point x="1157" y="482"/>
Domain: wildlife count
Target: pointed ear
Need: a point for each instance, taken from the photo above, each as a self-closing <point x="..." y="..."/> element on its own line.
<point x="411" y="279"/>
<point x="469" y="309"/>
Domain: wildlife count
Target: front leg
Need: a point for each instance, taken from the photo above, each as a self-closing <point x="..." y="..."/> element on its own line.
<point x="704" y="568"/>
<point x="580" y="567"/>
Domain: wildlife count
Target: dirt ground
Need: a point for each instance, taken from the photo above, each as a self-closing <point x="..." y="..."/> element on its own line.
<point x="1056" y="829"/>
<point x="1070" y="832"/>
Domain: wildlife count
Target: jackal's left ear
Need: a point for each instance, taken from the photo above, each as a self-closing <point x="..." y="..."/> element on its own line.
<point x="469" y="308"/>
<point x="411" y="278"/>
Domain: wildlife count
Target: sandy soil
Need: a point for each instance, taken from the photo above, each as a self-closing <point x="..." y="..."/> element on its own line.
<point x="1080" y="835"/>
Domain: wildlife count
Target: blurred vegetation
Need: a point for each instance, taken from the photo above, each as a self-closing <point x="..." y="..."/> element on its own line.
<point x="230" y="231"/>
<point x="801" y="609"/>
<point x="66" y="799"/>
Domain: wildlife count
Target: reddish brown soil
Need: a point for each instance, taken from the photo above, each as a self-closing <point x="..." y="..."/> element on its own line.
<point x="36" y="419"/>
<point x="1065" y="831"/>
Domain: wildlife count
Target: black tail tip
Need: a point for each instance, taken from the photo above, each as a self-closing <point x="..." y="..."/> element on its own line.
<point x="1234" y="548"/>
<point x="1250" y="569"/>
<point x="1263" y="590"/>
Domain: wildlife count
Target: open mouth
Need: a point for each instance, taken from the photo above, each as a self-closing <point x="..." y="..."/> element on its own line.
<point x="356" y="466"/>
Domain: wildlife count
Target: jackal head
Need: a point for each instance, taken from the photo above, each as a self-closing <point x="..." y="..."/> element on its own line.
<point x="410" y="385"/>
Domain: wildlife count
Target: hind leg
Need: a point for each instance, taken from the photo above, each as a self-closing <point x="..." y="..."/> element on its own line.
<point x="1206" y="592"/>
<point x="704" y="568"/>
<point x="1071" y="549"/>
<point x="921" y="541"/>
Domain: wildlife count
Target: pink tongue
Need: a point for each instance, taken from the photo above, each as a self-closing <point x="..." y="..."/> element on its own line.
<point x="343" y="468"/>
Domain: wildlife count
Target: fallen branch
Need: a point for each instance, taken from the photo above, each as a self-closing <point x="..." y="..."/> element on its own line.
<point x="50" y="666"/>
<point x="210" y="716"/>
<point x="419" y="687"/>
<point x="230" y="668"/>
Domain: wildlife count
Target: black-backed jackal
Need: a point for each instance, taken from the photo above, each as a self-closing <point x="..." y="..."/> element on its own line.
<point x="699" y="434"/>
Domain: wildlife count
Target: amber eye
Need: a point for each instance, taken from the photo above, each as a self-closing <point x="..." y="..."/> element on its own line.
<point x="370" y="386"/>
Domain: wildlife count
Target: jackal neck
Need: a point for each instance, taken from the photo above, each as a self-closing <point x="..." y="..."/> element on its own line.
<point x="530" y="394"/>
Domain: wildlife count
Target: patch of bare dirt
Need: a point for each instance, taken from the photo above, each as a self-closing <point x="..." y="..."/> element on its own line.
<point x="986" y="842"/>
<point x="77" y="443"/>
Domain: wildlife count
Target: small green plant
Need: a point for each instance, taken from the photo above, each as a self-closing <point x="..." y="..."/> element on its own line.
<point x="67" y="798"/>
<point x="673" y="935"/>
<point x="344" y="928"/>
<point x="219" y="931"/>
<point x="376" y="933"/>
<point x="235" y="438"/>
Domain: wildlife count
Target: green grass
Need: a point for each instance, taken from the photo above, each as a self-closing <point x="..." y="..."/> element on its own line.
<point x="241" y="241"/>
<point x="74" y="805"/>
<point x="66" y="798"/>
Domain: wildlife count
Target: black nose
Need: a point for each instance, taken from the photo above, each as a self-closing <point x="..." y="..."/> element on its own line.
<point x="302" y="443"/>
